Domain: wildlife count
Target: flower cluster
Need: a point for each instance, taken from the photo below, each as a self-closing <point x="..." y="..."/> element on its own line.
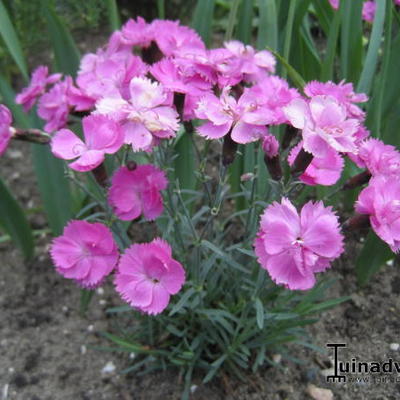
<point x="133" y="95"/>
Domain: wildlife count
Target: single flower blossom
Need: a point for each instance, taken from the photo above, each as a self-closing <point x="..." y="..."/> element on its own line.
<point x="324" y="171"/>
<point x="324" y="124"/>
<point x="146" y="117"/>
<point x="244" y="119"/>
<point x="381" y="201"/>
<point x="137" y="32"/>
<point x="5" y="128"/>
<point x="368" y="11"/>
<point x="137" y="192"/>
<point x="85" y="252"/>
<point x="37" y="86"/>
<point x="147" y="276"/>
<point x="102" y="136"/>
<point x="378" y="157"/>
<point x="293" y="247"/>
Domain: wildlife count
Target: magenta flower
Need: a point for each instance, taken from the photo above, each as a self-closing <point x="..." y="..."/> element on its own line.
<point x="37" y="86"/>
<point x="102" y="136"/>
<point x="334" y="4"/>
<point x="322" y="170"/>
<point x="86" y="252"/>
<point x="270" y="145"/>
<point x="145" y="117"/>
<point x="244" y="119"/>
<point x="293" y="247"/>
<point x="342" y="92"/>
<point x="325" y="125"/>
<point x="147" y="276"/>
<point x="368" y="11"/>
<point x="5" y="128"/>
<point x="137" y="192"/>
<point x="137" y="33"/>
<point x="381" y="201"/>
<point x="378" y="157"/>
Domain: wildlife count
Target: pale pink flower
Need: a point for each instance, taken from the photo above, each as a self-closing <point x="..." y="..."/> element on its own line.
<point x="342" y="92"/>
<point x="106" y="73"/>
<point x="325" y="125"/>
<point x="147" y="276"/>
<point x="137" y="192"/>
<point x="273" y="93"/>
<point x="37" y="86"/>
<point x="322" y="170"/>
<point x="381" y="201"/>
<point x="146" y="117"/>
<point x="368" y="11"/>
<point x="378" y="157"/>
<point x="253" y="64"/>
<point x="102" y="136"/>
<point x="244" y="119"/>
<point x="85" y="252"/>
<point x="227" y="67"/>
<point x="5" y="125"/>
<point x="293" y="247"/>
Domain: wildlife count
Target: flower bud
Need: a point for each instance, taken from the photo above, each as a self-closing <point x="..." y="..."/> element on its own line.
<point x="357" y="180"/>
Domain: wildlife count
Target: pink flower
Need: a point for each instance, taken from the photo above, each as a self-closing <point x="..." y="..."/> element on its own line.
<point x="36" y="88"/>
<point x="368" y="11"/>
<point x="270" y="145"/>
<point x="5" y="128"/>
<point x="54" y="106"/>
<point x="102" y="136"/>
<point x="325" y="125"/>
<point x="342" y="92"/>
<point x="322" y="170"/>
<point x="108" y="73"/>
<point x="334" y="4"/>
<point x="137" y="192"/>
<point x="137" y="33"/>
<point x="148" y="275"/>
<point x="244" y="119"/>
<point x="145" y="117"/>
<point x="85" y="252"/>
<point x="381" y="201"/>
<point x="292" y="247"/>
<point x="378" y="157"/>
<point x="253" y="64"/>
<point x="172" y="37"/>
<point x="273" y="93"/>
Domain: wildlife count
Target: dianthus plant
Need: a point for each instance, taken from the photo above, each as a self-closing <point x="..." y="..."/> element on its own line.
<point x="218" y="271"/>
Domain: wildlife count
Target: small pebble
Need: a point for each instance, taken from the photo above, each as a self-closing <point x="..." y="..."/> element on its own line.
<point x="102" y="302"/>
<point x="390" y="262"/>
<point x="90" y="328"/>
<point x="319" y="393"/>
<point x="394" y="346"/>
<point x="100" y="291"/>
<point x="193" y="388"/>
<point x="109" y="368"/>
<point x="277" y="358"/>
<point x="83" y="349"/>
<point x="65" y="309"/>
<point x="65" y="332"/>
<point x="11" y="370"/>
<point x="4" y="394"/>
<point x="14" y="154"/>
<point x="132" y="356"/>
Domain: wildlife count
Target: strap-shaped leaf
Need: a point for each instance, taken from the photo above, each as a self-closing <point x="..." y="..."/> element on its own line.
<point x="11" y="40"/>
<point x="13" y="220"/>
<point x="203" y="17"/>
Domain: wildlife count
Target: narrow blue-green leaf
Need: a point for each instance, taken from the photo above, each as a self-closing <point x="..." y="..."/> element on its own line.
<point x="53" y="186"/>
<point x="351" y="34"/>
<point x="86" y="297"/>
<point x="267" y="34"/>
<point x="66" y="53"/>
<point x="329" y="61"/>
<point x="288" y="34"/>
<point x="371" y="258"/>
<point x="244" y="27"/>
<point x="232" y="19"/>
<point x="10" y="38"/>
<point x="14" y="222"/>
<point x="371" y="61"/>
<point x="161" y="9"/>
<point x="259" y="313"/>
<point x="184" y="163"/>
<point x="113" y="15"/>
<point x="202" y="19"/>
